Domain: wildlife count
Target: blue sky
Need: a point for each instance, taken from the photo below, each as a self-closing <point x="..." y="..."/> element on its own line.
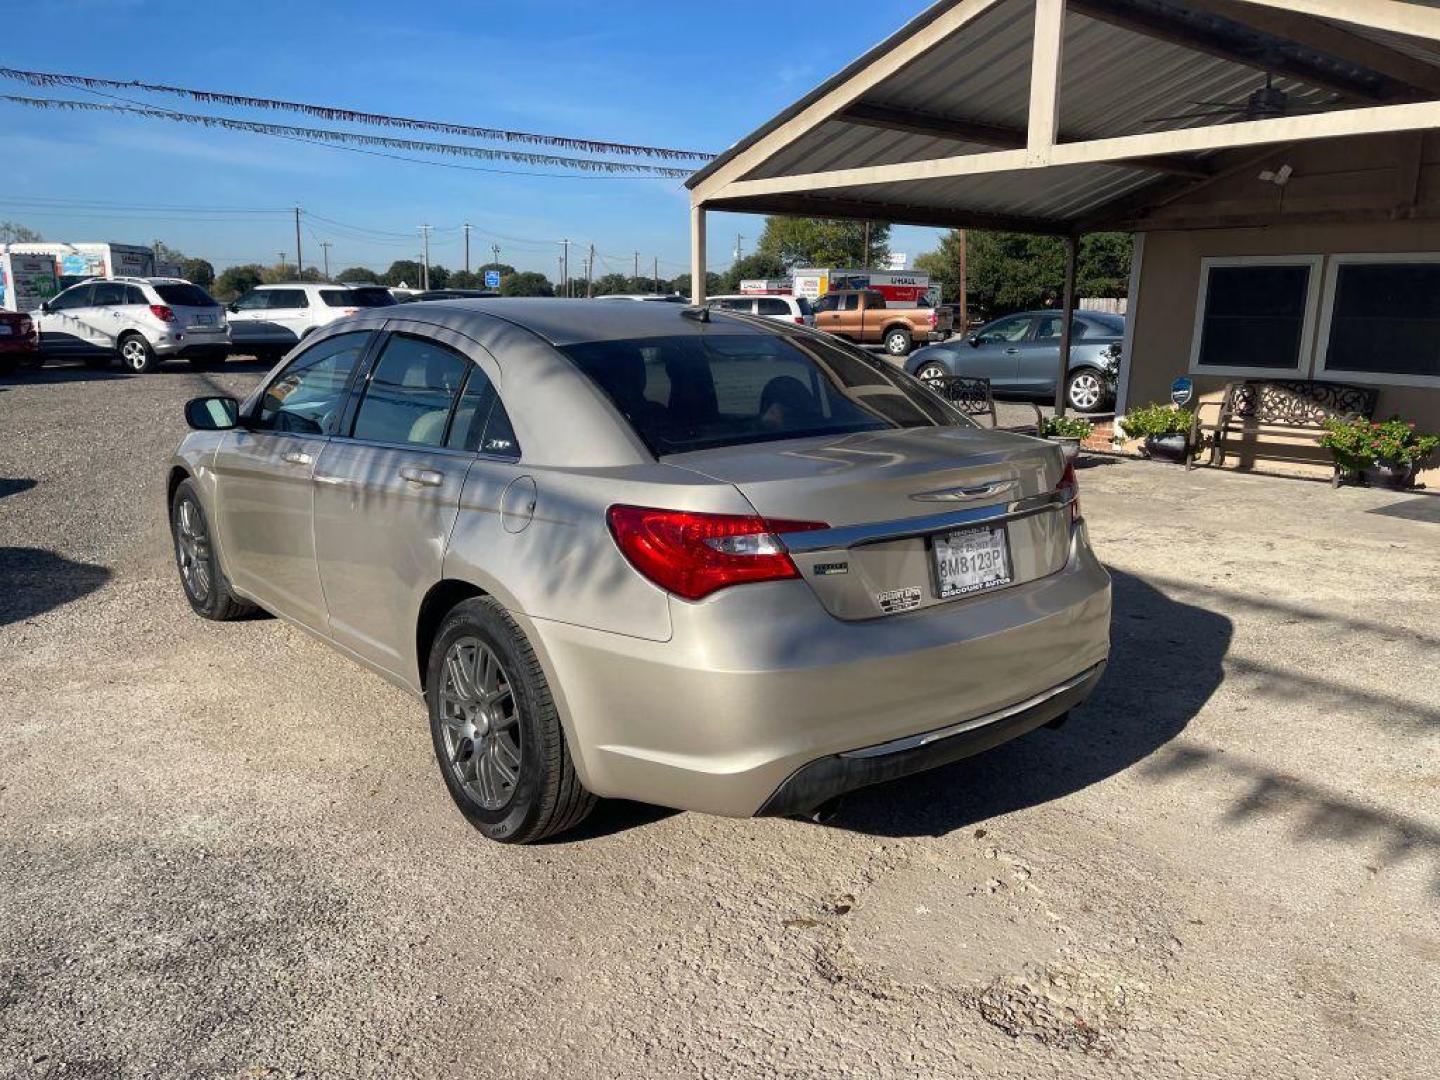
<point x="683" y="74"/>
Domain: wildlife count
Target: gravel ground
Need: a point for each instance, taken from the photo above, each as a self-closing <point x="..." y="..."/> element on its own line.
<point x="226" y="852"/>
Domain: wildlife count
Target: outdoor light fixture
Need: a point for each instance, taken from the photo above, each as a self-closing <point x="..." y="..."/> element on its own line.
<point x="1279" y="177"/>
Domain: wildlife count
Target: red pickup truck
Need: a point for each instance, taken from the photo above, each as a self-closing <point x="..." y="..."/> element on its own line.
<point x="863" y="316"/>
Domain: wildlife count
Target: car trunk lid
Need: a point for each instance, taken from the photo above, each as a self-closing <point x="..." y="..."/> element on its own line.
<point x="897" y="502"/>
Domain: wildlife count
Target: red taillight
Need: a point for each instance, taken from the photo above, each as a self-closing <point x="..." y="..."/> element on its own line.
<point x="1070" y="483"/>
<point x="161" y="312"/>
<point x="693" y="555"/>
<point x="799" y="320"/>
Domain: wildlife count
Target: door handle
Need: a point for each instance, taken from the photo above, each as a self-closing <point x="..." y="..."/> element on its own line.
<point x="297" y="457"/>
<point x="1012" y="351"/>
<point x="422" y="477"/>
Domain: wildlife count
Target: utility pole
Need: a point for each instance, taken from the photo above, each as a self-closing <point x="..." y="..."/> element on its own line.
<point x="657" y="273"/>
<point x="467" y="247"/>
<point x="299" y="256"/>
<point x="637" y="269"/>
<point x="559" y="291"/>
<point x="325" y="247"/>
<point x="565" y="266"/>
<point x="964" y="283"/>
<point x="282" y="264"/>
<point x="739" y="247"/>
<point x="425" y="257"/>
<point x="495" y="250"/>
<point x="590" y="274"/>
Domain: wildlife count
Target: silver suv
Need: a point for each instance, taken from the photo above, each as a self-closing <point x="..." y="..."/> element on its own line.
<point x="267" y="321"/>
<point x="140" y="320"/>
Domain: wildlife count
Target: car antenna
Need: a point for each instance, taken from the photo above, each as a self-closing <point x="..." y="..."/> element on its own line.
<point x="695" y="312"/>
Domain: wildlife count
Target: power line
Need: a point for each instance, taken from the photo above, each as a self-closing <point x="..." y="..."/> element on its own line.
<point x="333" y="112"/>
<point x="329" y="135"/>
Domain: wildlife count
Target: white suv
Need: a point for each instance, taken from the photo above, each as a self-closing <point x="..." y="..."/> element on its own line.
<point x="790" y="309"/>
<point x="270" y="319"/>
<point x="142" y="320"/>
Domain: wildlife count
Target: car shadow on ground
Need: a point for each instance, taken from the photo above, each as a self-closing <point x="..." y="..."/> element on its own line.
<point x="1165" y="664"/>
<point x="14" y="486"/>
<point x="68" y="371"/>
<point x="37" y="581"/>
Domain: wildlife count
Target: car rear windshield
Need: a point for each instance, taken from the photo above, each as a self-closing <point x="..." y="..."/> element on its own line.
<point x="376" y="297"/>
<point x="185" y="296"/>
<point x="699" y="391"/>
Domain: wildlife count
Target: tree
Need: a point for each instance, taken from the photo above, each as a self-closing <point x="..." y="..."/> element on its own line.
<point x="815" y="242"/>
<point x="505" y="269"/>
<point x="11" y="233"/>
<point x="359" y="274"/>
<point x="200" y="271"/>
<point x="1014" y="271"/>
<point x="611" y="284"/>
<point x="463" y="279"/>
<point x="439" y="276"/>
<point x="238" y="280"/>
<point x="714" y="284"/>
<point x="405" y="272"/>
<point x="526" y="283"/>
<point x="758" y="265"/>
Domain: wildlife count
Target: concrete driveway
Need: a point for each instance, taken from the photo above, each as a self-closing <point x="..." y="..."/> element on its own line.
<point x="226" y="852"/>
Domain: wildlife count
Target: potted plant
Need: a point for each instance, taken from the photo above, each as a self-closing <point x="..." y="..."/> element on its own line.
<point x="1382" y="453"/>
<point x="1165" y="431"/>
<point x="1068" y="431"/>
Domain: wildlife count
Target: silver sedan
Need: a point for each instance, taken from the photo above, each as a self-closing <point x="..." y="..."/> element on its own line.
<point x="647" y="551"/>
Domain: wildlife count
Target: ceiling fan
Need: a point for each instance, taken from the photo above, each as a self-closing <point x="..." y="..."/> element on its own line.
<point x="1263" y="104"/>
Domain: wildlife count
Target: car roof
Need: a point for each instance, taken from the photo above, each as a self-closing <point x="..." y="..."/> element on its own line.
<point x="564" y="322"/>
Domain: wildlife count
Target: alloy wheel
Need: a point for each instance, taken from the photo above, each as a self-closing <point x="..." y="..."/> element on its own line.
<point x="1086" y="391"/>
<point x="192" y="549"/>
<point x="931" y="371"/>
<point x="480" y="723"/>
<point x="134" y="355"/>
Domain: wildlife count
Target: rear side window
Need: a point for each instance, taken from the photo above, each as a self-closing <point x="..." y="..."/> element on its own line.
<point x="481" y="422"/>
<point x="186" y="295"/>
<point x="108" y="294"/>
<point x="371" y="298"/>
<point x="768" y="305"/>
<point x="704" y="390"/>
<point x="135" y="295"/>
<point x="286" y="298"/>
<point x="409" y="395"/>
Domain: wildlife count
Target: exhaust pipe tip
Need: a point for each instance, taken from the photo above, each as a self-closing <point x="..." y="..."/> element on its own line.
<point x="825" y="812"/>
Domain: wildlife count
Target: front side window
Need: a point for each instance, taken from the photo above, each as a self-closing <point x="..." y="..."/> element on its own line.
<point x="309" y="395"/>
<point x="1005" y="330"/>
<point x="77" y="297"/>
<point x="697" y="391"/>
<point x="1254" y="316"/>
<point x="409" y="395"/>
<point x="1385" y="319"/>
<point x="825" y="303"/>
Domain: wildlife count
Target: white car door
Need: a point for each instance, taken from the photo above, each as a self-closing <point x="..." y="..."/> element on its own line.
<point x="290" y="311"/>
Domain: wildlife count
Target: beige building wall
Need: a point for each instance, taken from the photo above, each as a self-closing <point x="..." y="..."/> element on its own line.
<point x="1364" y="178"/>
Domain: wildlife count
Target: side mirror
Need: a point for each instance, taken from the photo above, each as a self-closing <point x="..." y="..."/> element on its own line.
<point x="45" y="307"/>
<point x="232" y="306"/>
<point x="212" y="413"/>
<point x="974" y="341"/>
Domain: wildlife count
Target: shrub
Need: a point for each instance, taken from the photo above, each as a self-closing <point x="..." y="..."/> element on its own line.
<point x="1066" y="427"/>
<point x="1360" y="442"/>
<point x="1155" y="420"/>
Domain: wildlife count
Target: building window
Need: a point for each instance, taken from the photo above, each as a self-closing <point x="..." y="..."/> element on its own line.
<point x="1255" y="315"/>
<point x="1382" y="319"/>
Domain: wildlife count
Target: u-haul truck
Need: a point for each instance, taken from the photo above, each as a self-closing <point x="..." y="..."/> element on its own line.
<point x="898" y="286"/>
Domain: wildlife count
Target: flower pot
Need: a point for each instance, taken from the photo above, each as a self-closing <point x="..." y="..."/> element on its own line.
<point x="1391" y="475"/>
<point x="1174" y="448"/>
<point x="1069" y="446"/>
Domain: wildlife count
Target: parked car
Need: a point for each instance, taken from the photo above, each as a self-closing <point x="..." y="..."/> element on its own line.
<point x="791" y="309"/>
<point x="637" y="550"/>
<point x="140" y="320"/>
<point x="863" y="316"/>
<point x="270" y="319"/>
<point x="1020" y="355"/>
<point x="19" y="341"/>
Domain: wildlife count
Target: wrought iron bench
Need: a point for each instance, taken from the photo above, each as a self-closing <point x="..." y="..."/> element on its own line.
<point x="1279" y="407"/>
<point x="973" y="397"/>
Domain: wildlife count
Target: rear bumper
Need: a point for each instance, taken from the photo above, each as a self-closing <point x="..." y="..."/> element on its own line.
<point x="816" y="783"/>
<point x="192" y="343"/>
<point x="759" y="687"/>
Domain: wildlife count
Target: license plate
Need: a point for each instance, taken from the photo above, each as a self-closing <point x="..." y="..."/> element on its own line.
<point x="971" y="561"/>
<point x="204" y="320"/>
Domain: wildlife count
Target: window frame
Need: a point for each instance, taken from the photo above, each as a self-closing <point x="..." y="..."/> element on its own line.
<point x="1327" y="315"/>
<point x="1304" y="358"/>
<point x="475" y="354"/>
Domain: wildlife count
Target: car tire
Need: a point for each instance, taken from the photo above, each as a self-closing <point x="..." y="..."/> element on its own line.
<point x="136" y="355"/>
<point x="931" y="369"/>
<point x="200" y="576"/>
<point x="1085" y="391"/>
<point x="497" y="735"/>
<point x="897" y="342"/>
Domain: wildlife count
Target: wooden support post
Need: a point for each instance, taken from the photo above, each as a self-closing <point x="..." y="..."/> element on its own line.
<point x="697" y="255"/>
<point x="1067" y="316"/>
<point x="1045" y="80"/>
